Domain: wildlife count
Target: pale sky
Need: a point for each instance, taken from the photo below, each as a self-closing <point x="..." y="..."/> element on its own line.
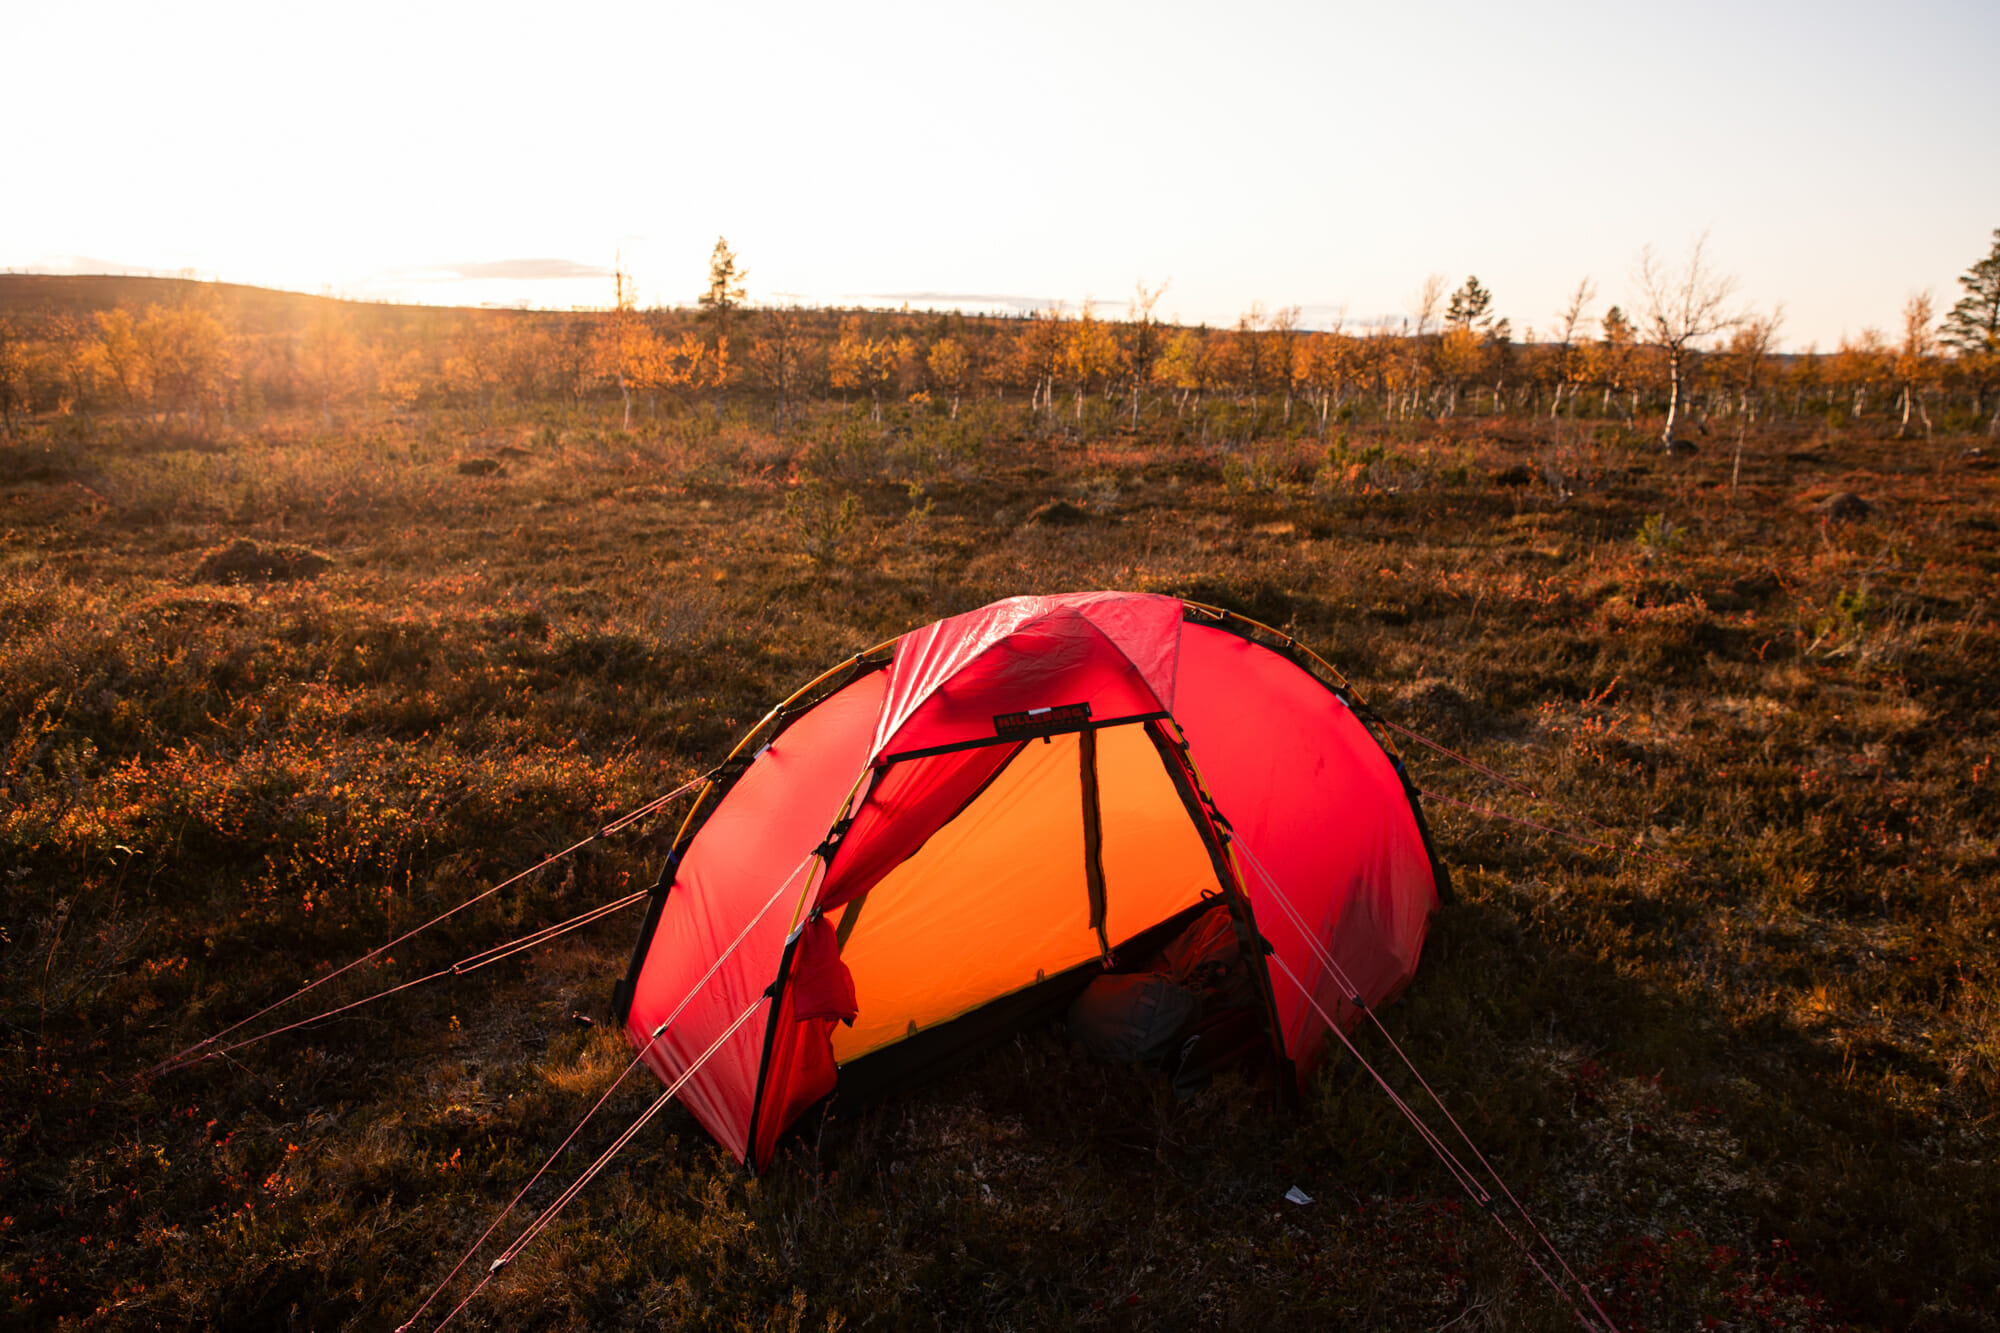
<point x="1840" y="157"/>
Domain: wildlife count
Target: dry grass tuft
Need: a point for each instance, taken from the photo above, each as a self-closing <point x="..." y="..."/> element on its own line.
<point x="248" y="561"/>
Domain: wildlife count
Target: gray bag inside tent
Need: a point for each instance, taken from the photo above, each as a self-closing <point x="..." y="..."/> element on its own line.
<point x="1193" y="1012"/>
<point x="1136" y="1017"/>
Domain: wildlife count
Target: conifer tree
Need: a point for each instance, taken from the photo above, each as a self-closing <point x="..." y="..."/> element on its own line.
<point x="725" y="288"/>
<point x="1974" y="323"/>
<point x="718" y="306"/>
<point x="1611" y="358"/>
<point x="1471" y="307"/>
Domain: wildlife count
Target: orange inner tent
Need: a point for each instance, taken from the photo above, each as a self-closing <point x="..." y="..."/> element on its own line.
<point x="999" y="898"/>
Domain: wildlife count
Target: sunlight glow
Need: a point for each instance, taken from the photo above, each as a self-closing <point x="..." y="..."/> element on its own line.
<point x="1325" y="155"/>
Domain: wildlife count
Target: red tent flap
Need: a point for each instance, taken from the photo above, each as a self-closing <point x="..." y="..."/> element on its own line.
<point x="821" y="985"/>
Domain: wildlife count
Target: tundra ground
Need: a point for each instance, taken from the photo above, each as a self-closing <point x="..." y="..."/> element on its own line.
<point x="273" y="693"/>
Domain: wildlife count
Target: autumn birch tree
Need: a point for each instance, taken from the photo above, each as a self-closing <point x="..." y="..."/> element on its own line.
<point x="1283" y="340"/>
<point x="1243" y="358"/>
<point x="1682" y="307"/>
<point x="1858" y="366"/>
<point x="949" y="365"/>
<point x="858" y="361"/>
<point x="1916" y="360"/>
<point x="688" y="366"/>
<point x="117" y="349"/>
<point x="1469" y="342"/>
<point x="474" y="369"/>
<point x="1186" y="367"/>
<point x="1323" y="363"/>
<point x="568" y="350"/>
<point x="1424" y="303"/>
<point x="1745" y="361"/>
<point x="1089" y="356"/>
<point x="329" y="358"/>
<point x="185" y="351"/>
<point x="1143" y="341"/>
<point x="777" y="357"/>
<point x="626" y="348"/>
<point x="1571" y="321"/>
<point x="1038" y="354"/>
<point x="13" y="371"/>
<point x="1460" y="359"/>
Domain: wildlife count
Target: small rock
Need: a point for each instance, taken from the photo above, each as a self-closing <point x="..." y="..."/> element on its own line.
<point x="1059" y="514"/>
<point x="1746" y="591"/>
<point x="1683" y="448"/>
<point x="1517" y="475"/>
<point x="1845" y="507"/>
<point x="1433" y="698"/>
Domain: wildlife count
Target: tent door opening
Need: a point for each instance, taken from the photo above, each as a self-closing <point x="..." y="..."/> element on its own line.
<point x="1043" y="872"/>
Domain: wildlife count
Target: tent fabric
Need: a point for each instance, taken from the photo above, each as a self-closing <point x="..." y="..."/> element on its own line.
<point x="1114" y="651"/>
<point x="1318" y="804"/>
<point x="745" y="871"/>
<point x="941" y="834"/>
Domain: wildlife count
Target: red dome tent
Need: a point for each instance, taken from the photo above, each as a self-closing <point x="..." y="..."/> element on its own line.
<point x="933" y="840"/>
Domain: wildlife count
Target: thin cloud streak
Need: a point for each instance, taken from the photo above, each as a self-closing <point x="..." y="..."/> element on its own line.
<point x="986" y="300"/>
<point x="91" y="266"/>
<point x="502" y="270"/>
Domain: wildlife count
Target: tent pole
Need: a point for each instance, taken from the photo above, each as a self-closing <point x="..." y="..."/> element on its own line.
<point x="1209" y="827"/>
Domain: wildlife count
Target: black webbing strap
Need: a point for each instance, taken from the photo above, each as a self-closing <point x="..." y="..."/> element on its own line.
<point x="1093" y="837"/>
<point x="827" y="848"/>
<point x="1174" y="757"/>
<point x="849" y="914"/>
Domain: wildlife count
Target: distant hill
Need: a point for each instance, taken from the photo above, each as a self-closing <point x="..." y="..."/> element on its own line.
<point x="58" y="293"/>
<point x="246" y="308"/>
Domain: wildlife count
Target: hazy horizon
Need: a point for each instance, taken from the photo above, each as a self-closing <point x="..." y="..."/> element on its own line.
<point x="1331" y="157"/>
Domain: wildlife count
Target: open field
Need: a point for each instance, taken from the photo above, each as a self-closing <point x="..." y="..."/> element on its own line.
<point x="1744" y="1065"/>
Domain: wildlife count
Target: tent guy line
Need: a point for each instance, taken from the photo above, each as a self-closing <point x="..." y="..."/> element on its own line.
<point x="1516" y="785"/>
<point x="597" y="1106"/>
<point x="1478" y="1194"/>
<point x="471" y="963"/>
<point x="1512" y="784"/>
<point x="577" y="1186"/>
<point x="187" y="1054"/>
<point x="1451" y="1159"/>
<point x="1539" y="827"/>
